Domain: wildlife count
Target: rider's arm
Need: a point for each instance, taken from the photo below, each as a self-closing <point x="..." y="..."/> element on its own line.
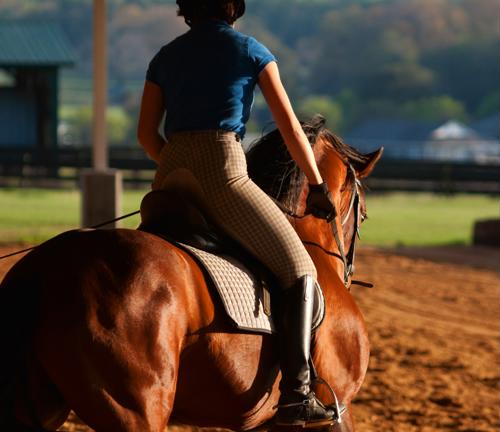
<point x="286" y="120"/>
<point x="152" y="110"/>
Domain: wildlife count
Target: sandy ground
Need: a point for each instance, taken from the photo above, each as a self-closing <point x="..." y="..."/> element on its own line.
<point x="433" y="319"/>
<point x="434" y="331"/>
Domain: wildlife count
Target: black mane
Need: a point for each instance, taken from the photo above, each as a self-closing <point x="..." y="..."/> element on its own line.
<point x="271" y="167"/>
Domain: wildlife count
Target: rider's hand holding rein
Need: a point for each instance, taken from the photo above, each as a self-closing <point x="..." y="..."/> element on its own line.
<point x="319" y="202"/>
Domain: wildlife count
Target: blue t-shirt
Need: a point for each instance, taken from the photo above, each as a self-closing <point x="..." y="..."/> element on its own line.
<point x="208" y="76"/>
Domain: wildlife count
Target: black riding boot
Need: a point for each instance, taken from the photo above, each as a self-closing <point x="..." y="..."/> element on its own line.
<point x="298" y="405"/>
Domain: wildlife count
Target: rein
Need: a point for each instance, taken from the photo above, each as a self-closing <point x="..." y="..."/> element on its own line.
<point x="92" y="227"/>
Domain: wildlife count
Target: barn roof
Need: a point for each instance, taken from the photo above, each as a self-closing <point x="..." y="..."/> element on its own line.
<point x="33" y="43"/>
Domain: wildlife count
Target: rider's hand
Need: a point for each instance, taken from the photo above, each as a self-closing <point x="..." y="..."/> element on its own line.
<point x="319" y="202"/>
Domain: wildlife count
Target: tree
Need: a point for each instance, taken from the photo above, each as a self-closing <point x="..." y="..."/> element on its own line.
<point x="136" y="34"/>
<point x="467" y="71"/>
<point x="399" y="82"/>
<point x="438" y="108"/>
<point x="389" y="54"/>
<point x="77" y="123"/>
<point x="489" y="105"/>
<point x="325" y="106"/>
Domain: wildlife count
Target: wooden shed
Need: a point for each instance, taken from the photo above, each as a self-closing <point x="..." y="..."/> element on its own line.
<point x="31" y="54"/>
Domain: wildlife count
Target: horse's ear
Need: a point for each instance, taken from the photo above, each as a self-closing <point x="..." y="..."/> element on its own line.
<point x="372" y="159"/>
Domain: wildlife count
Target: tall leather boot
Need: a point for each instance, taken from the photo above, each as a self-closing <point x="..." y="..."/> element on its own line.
<point x="298" y="405"/>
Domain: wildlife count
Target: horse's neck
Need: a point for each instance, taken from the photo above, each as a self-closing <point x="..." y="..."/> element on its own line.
<point x="324" y="252"/>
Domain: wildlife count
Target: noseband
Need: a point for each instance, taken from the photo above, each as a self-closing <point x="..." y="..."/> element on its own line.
<point x="354" y="207"/>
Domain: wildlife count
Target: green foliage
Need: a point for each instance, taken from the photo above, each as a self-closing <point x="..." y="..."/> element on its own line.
<point x="35" y="215"/>
<point x="393" y="55"/>
<point x="120" y="126"/>
<point x="489" y="105"/>
<point x="324" y="105"/>
<point x="410" y="49"/>
<point x="467" y="71"/>
<point x="350" y="106"/>
<point x="79" y="125"/>
<point x="399" y="82"/>
<point x="435" y="108"/>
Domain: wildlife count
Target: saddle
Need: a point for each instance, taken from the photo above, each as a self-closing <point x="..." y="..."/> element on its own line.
<point x="181" y="216"/>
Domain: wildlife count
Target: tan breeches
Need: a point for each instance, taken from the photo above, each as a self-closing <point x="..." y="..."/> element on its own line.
<point x="217" y="162"/>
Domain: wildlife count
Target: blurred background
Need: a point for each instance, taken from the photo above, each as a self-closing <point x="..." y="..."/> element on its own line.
<point x="419" y="77"/>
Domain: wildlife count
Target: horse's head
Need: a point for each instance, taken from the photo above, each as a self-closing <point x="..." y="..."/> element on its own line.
<point x="341" y="166"/>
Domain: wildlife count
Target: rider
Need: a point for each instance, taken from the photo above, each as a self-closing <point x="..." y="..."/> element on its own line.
<point x="204" y="80"/>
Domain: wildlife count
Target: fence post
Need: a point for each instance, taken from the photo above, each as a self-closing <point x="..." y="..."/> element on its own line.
<point x="101" y="186"/>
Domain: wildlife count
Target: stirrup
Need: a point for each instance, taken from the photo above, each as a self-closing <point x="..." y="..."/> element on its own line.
<point x="338" y="407"/>
<point x="305" y="422"/>
<point x="306" y="402"/>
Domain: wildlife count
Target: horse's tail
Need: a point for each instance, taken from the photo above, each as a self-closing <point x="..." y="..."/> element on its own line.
<point x="18" y="300"/>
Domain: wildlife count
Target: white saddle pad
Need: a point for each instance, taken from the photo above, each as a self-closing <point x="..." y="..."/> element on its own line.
<point x="241" y="292"/>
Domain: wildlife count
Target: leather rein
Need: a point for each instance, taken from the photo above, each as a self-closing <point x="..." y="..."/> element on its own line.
<point x="349" y="257"/>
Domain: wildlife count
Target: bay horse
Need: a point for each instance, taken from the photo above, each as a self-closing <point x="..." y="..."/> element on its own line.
<point x="121" y="326"/>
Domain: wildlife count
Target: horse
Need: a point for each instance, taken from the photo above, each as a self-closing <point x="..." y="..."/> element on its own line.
<point x="121" y="326"/>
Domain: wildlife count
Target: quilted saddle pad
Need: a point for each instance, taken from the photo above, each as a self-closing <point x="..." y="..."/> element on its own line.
<point x="241" y="292"/>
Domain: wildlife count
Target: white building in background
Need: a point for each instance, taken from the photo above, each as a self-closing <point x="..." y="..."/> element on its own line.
<point x="454" y="141"/>
<point x="416" y="140"/>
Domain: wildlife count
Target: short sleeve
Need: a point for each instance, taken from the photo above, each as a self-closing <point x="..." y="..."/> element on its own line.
<point x="259" y="54"/>
<point x="153" y="73"/>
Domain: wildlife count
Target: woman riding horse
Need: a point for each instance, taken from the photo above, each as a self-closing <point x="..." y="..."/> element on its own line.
<point x="204" y="80"/>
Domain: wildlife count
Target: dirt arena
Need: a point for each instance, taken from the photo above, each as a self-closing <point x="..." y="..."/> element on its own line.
<point x="433" y="319"/>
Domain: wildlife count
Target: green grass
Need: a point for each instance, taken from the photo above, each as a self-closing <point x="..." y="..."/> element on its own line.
<point x="423" y="219"/>
<point x="30" y="216"/>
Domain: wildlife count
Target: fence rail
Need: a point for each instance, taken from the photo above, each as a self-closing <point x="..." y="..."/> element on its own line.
<point x="437" y="176"/>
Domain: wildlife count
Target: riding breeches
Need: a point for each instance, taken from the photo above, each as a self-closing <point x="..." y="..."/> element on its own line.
<point x="217" y="161"/>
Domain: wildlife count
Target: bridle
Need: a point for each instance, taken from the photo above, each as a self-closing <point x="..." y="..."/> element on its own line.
<point x="354" y="207"/>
